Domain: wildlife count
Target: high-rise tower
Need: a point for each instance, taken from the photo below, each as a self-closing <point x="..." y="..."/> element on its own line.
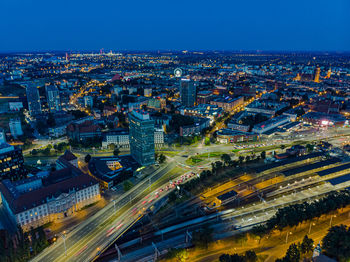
<point x="53" y="98"/>
<point x="187" y="92"/>
<point x="141" y="137"/>
<point x="33" y="99"/>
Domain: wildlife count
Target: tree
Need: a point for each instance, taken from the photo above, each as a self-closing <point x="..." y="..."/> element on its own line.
<point x="46" y="151"/>
<point x="87" y="158"/>
<point x="51" y="120"/>
<point x="34" y="152"/>
<point x="162" y="158"/>
<point x="203" y="237"/>
<point x="207" y="141"/>
<point x="293" y="253"/>
<point x="250" y="256"/>
<point x="309" y="147"/>
<point x="282" y="146"/>
<point x="226" y="158"/>
<point x="218" y="165"/>
<point x="116" y="152"/>
<point x="336" y="243"/>
<point x="127" y="185"/>
<point x="172" y="196"/>
<point x="237" y="258"/>
<point x="41" y="127"/>
<point x="241" y="159"/>
<point x="179" y="253"/>
<point x="241" y="238"/>
<point x="225" y="258"/>
<point x="307" y="245"/>
<point x="263" y="155"/>
<point x="111" y="146"/>
<point x="259" y="231"/>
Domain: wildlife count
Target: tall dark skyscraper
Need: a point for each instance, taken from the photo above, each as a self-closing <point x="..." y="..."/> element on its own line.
<point x="187" y="92"/>
<point x="141" y="137"/>
<point x="33" y="99"/>
<point x="11" y="162"/>
<point x="53" y="98"/>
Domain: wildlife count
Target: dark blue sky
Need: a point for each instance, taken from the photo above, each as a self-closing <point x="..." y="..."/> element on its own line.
<point x="34" y="25"/>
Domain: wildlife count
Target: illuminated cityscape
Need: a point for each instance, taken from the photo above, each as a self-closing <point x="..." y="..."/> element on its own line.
<point x="189" y="131"/>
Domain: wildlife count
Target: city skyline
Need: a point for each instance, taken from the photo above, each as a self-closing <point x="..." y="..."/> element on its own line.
<point x="174" y="131"/>
<point x="291" y="26"/>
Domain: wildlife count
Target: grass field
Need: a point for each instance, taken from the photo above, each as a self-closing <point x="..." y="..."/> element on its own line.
<point x="211" y="154"/>
<point x="167" y="153"/>
<point x="193" y="160"/>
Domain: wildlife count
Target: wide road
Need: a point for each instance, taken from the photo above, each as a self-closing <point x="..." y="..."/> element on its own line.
<point x="85" y="241"/>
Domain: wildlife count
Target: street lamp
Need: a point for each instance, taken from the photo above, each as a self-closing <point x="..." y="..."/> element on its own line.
<point x="311" y="224"/>
<point x="330" y="222"/>
<point x="288" y="233"/>
<point x="63" y="235"/>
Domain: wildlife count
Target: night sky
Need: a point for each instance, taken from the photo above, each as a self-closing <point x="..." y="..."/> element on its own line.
<point x="36" y="25"/>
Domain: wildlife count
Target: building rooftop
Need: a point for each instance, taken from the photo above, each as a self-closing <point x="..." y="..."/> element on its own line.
<point x="58" y="182"/>
<point x="288" y="161"/>
<point x="231" y="132"/>
<point x="4" y="148"/>
<point x="316" y="165"/>
<point x="69" y="156"/>
<point x="334" y="169"/>
<point x="141" y="114"/>
<point x="100" y="167"/>
<point x="339" y="179"/>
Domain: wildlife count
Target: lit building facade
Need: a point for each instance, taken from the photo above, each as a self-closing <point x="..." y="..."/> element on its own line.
<point x="15" y="127"/>
<point x="11" y="162"/>
<point x="317" y="75"/>
<point x="35" y="201"/>
<point x="121" y="139"/>
<point x="53" y="98"/>
<point x="88" y="101"/>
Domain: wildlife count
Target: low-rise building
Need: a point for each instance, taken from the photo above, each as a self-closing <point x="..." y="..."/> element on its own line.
<point x="204" y="97"/>
<point x="228" y="103"/>
<point x="203" y="110"/>
<point x="227" y="135"/>
<point x="68" y="158"/>
<point x="323" y="119"/>
<point x="58" y="131"/>
<point x="83" y="131"/>
<point x="110" y="171"/>
<point x="35" y="201"/>
<point x="266" y="107"/>
<point x="199" y="125"/>
<point x="15" y="127"/>
<point x="270" y="124"/>
<point x="120" y="138"/>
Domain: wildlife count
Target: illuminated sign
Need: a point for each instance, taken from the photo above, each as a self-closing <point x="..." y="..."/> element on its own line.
<point x="178" y="72"/>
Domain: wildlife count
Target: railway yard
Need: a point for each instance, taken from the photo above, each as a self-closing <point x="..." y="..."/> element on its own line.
<point x="236" y="205"/>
